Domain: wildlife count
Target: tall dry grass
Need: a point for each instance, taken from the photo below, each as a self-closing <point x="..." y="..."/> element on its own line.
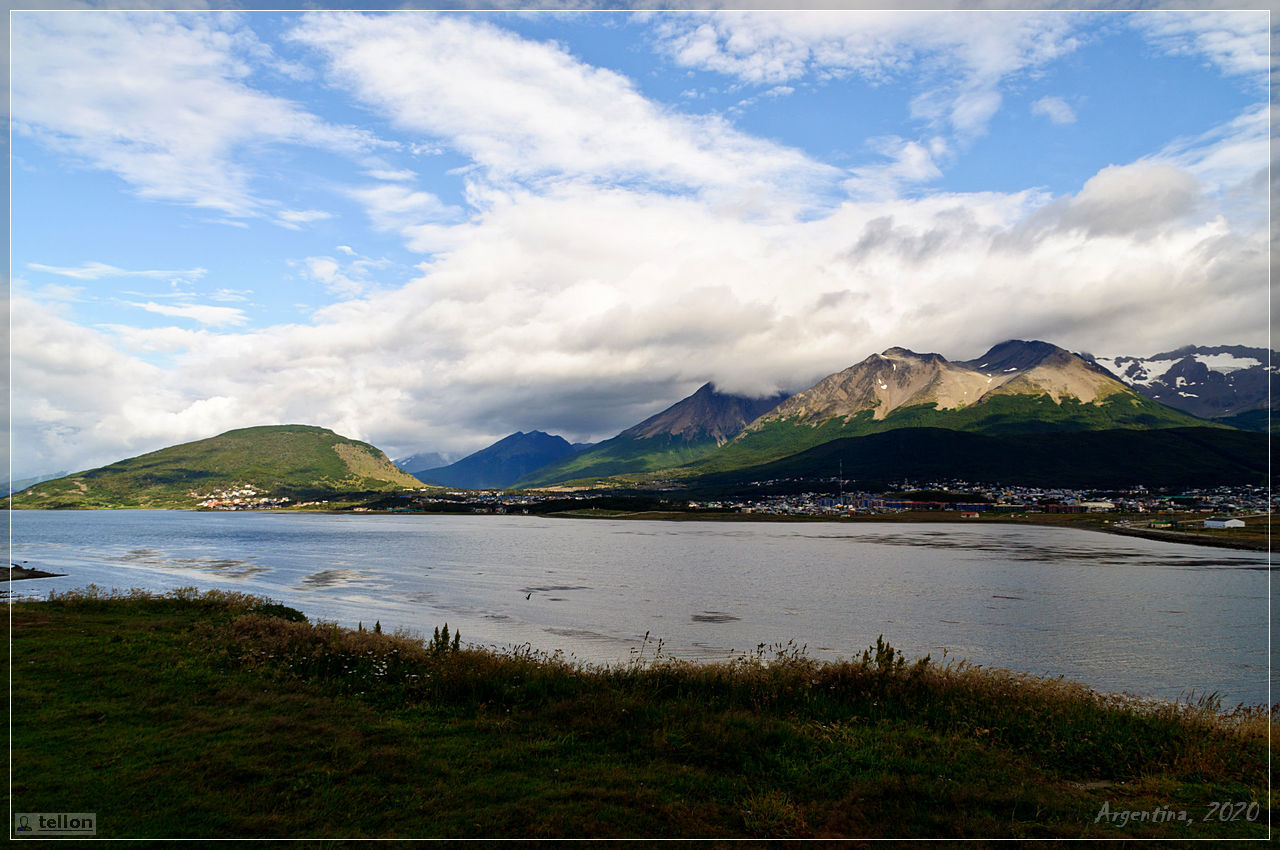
<point x="1064" y="723"/>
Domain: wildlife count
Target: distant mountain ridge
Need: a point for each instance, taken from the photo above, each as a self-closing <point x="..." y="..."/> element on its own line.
<point x="272" y="460"/>
<point x="1223" y="382"/>
<point x="500" y="464"/>
<point x="684" y="432"/>
<point x="17" y="485"/>
<point x="421" y="460"/>
<point x="1017" y="387"/>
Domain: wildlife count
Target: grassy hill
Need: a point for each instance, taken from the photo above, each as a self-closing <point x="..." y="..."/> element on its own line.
<point x="294" y="461"/>
<point x="1122" y="457"/>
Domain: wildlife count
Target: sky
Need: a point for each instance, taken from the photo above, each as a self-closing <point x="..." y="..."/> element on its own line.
<point x="429" y="230"/>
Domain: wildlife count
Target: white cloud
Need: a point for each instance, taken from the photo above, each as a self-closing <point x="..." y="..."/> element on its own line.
<point x="78" y="402"/>
<point x="529" y="112"/>
<point x="958" y="59"/>
<point x="97" y="271"/>
<point x="1124" y="199"/>
<point x="57" y="292"/>
<point x="1236" y="42"/>
<point x="1231" y="155"/>
<point x="1136" y="200"/>
<point x="392" y="175"/>
<point x="909" y="163"/>
<point x="160" y="100"/>
<point x="1055" y="109"/>
<point x="161" y="340"/>
<point x="395" y="207"/>
<point x="205" y="314"/>
<point x="345" y="278"/>
<point x="294" y="219"/>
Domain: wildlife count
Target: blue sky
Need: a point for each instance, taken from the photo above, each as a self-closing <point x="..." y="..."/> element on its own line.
<point x="428" y="230"/>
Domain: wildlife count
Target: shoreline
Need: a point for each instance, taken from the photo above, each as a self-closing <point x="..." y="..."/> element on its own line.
<point x="943" y="517"/>
<point x="1190" y="538"/>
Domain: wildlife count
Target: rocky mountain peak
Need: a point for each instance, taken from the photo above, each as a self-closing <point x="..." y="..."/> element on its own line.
<point x="1018" y="355"/>
<point x="900" y="378"/>
<point x="706" y="413"/>
<point x="897" y="352"/>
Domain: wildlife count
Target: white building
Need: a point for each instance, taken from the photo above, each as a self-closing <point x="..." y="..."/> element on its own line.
<point x="1223" y="522"/>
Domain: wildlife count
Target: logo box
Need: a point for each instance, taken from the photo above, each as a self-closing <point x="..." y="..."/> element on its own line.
<point x="55" y="823"/>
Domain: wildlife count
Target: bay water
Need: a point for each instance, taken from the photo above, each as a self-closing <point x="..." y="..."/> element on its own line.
<point x="1117" y="613"/>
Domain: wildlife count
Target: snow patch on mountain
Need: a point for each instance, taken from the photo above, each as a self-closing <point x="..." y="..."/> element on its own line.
<point x="1206" y="381"/>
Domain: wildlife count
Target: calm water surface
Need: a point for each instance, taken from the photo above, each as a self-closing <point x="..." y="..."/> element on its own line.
<point x="1117" y="613"/>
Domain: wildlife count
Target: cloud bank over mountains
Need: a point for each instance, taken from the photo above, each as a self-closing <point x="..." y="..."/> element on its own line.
<point x="437" y="229"/>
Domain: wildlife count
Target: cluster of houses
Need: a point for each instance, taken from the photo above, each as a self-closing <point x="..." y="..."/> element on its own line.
<point x="239" y="497"/>
<point x="1225" y="505"/>
<point x="1222" y="508"/>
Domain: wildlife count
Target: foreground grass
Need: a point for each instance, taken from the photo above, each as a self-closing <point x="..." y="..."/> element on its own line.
<point x="211" y="715"/>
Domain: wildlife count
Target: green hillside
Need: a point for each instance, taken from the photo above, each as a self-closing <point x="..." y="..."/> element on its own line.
<point x="1251" y="420"/>
<point x="1117" y="458"/>
<point x="275" y="461"/>
<point x="999" y="414"/>
<point x="619" y="455"/>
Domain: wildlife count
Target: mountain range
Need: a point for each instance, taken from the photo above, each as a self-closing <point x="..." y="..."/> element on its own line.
<point x="688" y="430"/>
<point x="1015" y="388"/>
<point x="500" y="464"/>
<point x="1232" y="384"/>
<point x="421" y="460"/>
<point x="1026" y="411"/>
<point x="1021" y="388"/>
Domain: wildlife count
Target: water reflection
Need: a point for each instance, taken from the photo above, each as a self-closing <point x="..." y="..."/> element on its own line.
<point x="159" y="560"/>
<point x="713" y="617"/>
<point x="336" y="578"/>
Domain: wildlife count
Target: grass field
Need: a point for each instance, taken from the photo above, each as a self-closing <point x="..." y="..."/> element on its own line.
<point x="221" y="715"/>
